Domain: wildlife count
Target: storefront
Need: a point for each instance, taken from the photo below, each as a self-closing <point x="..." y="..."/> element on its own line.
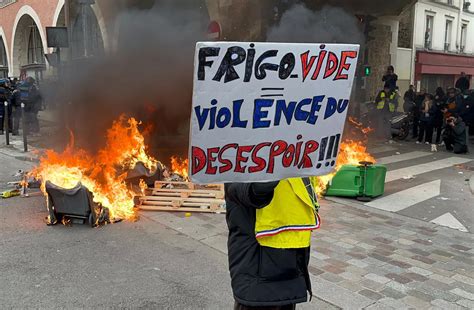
<point x="433" y="69"/>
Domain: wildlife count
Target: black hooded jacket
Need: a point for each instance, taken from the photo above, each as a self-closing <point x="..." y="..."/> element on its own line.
<point x="261" y="276"/>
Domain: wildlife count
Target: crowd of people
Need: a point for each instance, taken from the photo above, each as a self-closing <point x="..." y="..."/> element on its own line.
<point x="15" y="93"/>
<point x="439" y="119"/>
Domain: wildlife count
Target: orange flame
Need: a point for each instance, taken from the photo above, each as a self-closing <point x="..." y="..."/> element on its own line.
<point x="179" y="166"/>
<point x="360" y="126"/>
<point x="351" y="153"/>
<point x="99" y="173"/>
<point x="143" y="186"/>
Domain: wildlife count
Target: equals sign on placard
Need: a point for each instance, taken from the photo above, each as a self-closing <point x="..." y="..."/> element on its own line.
<point x="328" y="149"/>
<point x="273" y="92"/>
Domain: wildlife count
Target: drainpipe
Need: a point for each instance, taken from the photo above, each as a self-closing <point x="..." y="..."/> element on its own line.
<point x="458" y="29"/>
<point x="413" y="43"/>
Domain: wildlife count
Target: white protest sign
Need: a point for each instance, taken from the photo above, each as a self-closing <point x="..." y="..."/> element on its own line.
<point x="268" y="111"/>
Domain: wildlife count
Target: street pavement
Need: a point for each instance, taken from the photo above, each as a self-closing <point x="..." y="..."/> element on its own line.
<point x="364" y="258"/>
<point x="140" y="265"/>
<point x="395" y="252"/>
<point x="433" y="187"/>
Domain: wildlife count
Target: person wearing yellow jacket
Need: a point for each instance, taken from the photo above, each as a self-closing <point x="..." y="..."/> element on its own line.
<point x="270" y="227"/>
<point x="386" y="105"/>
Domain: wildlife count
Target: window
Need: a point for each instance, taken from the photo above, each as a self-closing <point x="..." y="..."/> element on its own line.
<point x="450" y="2"/>
<point x="35" y="47"/>
<point x="447" y="35"/>
<point x="429" y="31"/>
<point x="463" y="38"/>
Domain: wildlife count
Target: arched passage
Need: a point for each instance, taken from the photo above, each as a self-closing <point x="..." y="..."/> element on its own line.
<point x="87" y="40"/>
<point x="61" y="21"/>
<point x="59" y="17"/>
<point x="28" y="48"/>
<point x="3" y="58"/>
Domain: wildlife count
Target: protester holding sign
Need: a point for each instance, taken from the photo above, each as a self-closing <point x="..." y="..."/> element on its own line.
<point x="270" y="228"/>
<point x="266" y="119"/>
<point x="268" y="111"/>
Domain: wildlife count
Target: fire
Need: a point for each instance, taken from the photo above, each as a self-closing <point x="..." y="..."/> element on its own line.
<point x="104" y="173"/>
<point x="179" y="166"/>
<point x="143" y="187"/>
<point x="359" y="125"/>
<point x="351" y="153"/>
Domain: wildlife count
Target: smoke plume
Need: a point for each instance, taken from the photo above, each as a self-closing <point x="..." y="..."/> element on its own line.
<point x="327" y="25"/>
<point x="148" y="76"/>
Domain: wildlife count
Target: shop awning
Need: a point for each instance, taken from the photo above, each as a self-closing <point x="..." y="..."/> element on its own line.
<point x="442" y="63"/>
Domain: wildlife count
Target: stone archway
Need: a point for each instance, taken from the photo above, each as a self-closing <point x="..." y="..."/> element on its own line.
<point x="28" y="47"/>
<point x="59" y="18"/>
<point x="3" y="56"/>
<point x="87" y="39"/>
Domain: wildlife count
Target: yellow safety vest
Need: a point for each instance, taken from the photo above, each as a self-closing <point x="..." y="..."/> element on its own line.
<point x="391" y="104"/>
<point x="287" y="222"/>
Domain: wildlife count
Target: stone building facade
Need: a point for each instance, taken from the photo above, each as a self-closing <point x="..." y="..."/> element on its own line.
<point x="441" y="44"/>
<point x="23" y="24"/>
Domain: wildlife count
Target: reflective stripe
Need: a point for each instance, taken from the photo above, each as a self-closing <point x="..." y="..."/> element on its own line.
<point x="381" y="103"/>
<point x="276" y="231"/>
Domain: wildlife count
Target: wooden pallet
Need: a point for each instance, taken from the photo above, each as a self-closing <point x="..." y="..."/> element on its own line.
<point x="184" y="197"/>
<point x="188" y="185"/>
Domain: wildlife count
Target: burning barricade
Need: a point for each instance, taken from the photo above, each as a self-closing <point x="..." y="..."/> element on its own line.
<point x="105" y="187"/>
<point x="95" y="184"/>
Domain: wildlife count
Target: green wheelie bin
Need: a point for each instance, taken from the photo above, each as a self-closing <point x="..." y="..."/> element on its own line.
<point x="364" y="181"/>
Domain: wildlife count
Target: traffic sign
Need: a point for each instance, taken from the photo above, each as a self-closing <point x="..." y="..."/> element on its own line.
<point x="214" y="31"/>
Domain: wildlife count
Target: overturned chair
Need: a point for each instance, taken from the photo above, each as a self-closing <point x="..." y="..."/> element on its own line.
<point x="74" y="203"/>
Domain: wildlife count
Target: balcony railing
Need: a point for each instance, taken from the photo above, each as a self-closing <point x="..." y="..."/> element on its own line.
<point x="4" y="3"/>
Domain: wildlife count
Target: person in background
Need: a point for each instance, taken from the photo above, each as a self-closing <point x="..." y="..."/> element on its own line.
<point x="16" y="106"/>
<point x="390" y="78"/>
<point x="463" y="82"/>
<point x="5" y="95"/>
<point x="30" y="96"/>
<point x="467" y="112"/>
<point x="385" y="105"/>
<point x="455" y="135"/>
<point x="409" y="99"/>
<point x="416" y="112"/>
<point x="426" y="121"/>
<point x="453" y="105"/>
<point x="14" y="82"/>
<point x="438" y="118"/>
<point x="269" y="242"/>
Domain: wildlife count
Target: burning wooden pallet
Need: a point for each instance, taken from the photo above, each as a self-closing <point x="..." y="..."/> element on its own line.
<point x="184" y="197"/>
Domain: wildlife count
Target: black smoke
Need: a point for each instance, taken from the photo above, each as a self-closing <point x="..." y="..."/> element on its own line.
<point x="147" y="75"/>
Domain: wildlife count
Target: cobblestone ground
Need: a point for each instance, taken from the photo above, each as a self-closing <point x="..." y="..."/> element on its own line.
<point x="368" y="259"/>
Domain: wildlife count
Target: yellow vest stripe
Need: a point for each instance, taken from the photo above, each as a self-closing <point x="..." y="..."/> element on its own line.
<point x="276" y="231"/>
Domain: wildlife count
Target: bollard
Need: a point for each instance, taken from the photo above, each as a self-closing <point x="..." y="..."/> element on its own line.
<point x="6" y="126"/>
<point x="25" y="131"/>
